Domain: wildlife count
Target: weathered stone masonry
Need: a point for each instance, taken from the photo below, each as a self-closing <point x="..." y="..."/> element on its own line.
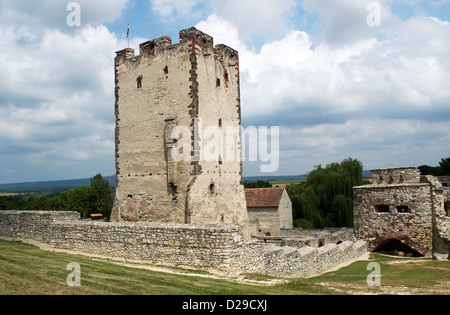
<point x="219" y="247"/>
<point x="192" y="84"/>
<point x="402" y="205"/>
<point x="197" y="246"/>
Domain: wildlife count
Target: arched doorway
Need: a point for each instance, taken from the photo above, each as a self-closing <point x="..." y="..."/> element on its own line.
<point x="397" y="248"/>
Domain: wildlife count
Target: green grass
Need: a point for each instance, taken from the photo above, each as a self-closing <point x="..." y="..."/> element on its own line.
<point x="27" y="270"/>
<point x="398" y="276"/>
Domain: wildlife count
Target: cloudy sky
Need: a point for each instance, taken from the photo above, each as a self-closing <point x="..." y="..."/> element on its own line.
<point x="342" y="78"/>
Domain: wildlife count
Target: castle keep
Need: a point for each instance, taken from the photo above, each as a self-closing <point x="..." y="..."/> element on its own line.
<point x="191" y="86"/>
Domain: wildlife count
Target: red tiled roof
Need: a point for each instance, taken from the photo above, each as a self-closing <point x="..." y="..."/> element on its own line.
<point x="263" y="197"/>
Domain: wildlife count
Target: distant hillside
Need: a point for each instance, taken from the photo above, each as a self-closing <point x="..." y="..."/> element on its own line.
<point x="73" y="183"/>
<point x="252" y="179"/>
<point x="58" y="184"/>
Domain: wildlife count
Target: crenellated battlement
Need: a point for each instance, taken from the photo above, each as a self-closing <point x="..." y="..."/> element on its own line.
<point x="192" y="41"/>
<point x="399" y="175"/>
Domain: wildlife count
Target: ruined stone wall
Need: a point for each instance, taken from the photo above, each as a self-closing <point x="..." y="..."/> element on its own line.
<point x="33" y="225"/>
<point x="395" y="175"/>
<point x="405" y="206"/>
<point x="197" y="246"/>
<point x="193" y="85"/>
<point x="283" y="261"/>
<point x="285" y="212"/>
<point x="317" y="238"/>
<point x="446" y="221"/>
<point x="440" y="219"/>
<point x="264" y="221"/>
<point x="220" y="247"/>
<point x="402" y="212"/>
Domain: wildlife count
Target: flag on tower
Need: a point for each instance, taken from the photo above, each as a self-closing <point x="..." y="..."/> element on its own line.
<point x="128" y="31"/>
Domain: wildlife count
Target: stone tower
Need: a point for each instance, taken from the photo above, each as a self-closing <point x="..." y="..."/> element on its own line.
<point x="177" y="101"/>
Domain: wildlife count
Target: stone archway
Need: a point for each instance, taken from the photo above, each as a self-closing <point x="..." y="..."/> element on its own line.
<point x="396" y="247"/>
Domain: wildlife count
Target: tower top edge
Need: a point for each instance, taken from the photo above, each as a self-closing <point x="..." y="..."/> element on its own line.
<point x="192" y="41"/>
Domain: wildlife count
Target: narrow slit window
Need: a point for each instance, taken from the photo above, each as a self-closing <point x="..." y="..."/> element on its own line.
<point x="217" y="82"/>
<point x="172" y="189"/>
<point x="382" y="208"/>
<point x="139" y="81"/>
<point x="446" y="208"/>
<point x="166" y="70"/>
<point x="403" y="209"/>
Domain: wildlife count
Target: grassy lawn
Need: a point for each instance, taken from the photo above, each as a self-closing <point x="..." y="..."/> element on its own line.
<point x="27" y="270"/>
<point x="418" y="276"/>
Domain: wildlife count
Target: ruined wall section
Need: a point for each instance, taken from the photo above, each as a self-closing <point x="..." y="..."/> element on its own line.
<point x="285" y="212"/>
<point x="440" y="218"/>
<point x="399" y="175"/>
<point x="401" y="212"/>
<point x="219" y="247"/>
<point x="264" y="221"/>
<point x="196" y="246"/>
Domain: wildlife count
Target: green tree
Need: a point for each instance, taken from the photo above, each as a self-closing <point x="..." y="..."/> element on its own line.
<point x="79" y="200"/>
<point x="101" y="196"/>
<point x="7" y="203"/>
<point x="258" y="184"/>
<point x="445" y="167"/>
<point x="325" y="199"/>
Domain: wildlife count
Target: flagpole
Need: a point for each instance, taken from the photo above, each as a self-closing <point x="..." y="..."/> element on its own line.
<point x="128" y="35"/>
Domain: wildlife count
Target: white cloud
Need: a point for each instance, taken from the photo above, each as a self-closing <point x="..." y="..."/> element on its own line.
<point x="369" y="93"/>
<point x="377" y="94"/>
<point x="57" y="99"/>
<point x="173" y="9"/>
<point x="344" y="21"/>
<point x="266" y="19"/>
<point x="263" y="19"/>
<point x="53" y="13"/>
<point x="377" y="142"/>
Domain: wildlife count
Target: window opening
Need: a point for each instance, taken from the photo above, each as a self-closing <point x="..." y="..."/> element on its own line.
<point x="403" y="209"/>
<point x="382" y="208"/>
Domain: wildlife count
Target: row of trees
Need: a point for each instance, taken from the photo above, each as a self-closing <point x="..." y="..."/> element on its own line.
<point x="258" y="184"/>
<point x="98" y="198"/>
<point x="442" y="170"/>
<point x="325" y="199"/>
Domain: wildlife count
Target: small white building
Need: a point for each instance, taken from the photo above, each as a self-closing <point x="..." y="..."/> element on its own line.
<point x="269" y="211"/>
